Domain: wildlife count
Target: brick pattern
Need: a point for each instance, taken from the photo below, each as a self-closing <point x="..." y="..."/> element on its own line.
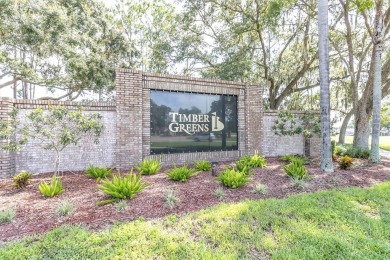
<point x="274" y="145"/>
<point x="128" y="118"/>
<point x="254" y="116"/>
<point x="168" y="159"/>
<point x="126" y="140"/>
<point x="242" y="123"/>
<point x="35" y="159"/>
<point x="7" y="162"/>
<point x="130" y="82"/>
<point x="92" y="106"/>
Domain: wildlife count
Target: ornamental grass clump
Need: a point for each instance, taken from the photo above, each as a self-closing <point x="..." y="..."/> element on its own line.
<point x="6" y="215"/>
<point x="121" y="187"/>
<point x="296" y="169"/>
<point x="171" y="199"/>
<point x="203" y="165"/>
<point x="180" y="174"/>
<point x="21" y="180"/>
<point x="52" y="189"/>
<point x="65" y="208"/>
<point x="148" y="167"/>
<point x="260" y="189"/>
<point x="98" y="173"/>
<point x="345" y="162"/>
<point x="219" y="193"/>
<point x="233" y="178"/>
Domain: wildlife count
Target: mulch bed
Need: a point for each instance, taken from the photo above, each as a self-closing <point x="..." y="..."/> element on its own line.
<point x="36" y="214"/>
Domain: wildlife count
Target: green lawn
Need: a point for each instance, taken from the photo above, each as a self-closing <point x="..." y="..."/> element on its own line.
<point x="352" y="223"/>
<point x="384" y="141"/>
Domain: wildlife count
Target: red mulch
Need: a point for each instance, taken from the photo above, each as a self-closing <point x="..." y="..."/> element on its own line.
<point x="36" y="214"/>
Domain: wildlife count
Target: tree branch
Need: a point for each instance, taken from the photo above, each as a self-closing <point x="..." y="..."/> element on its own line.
<point x="57" y="98"/>
<point x="8" y="83"/>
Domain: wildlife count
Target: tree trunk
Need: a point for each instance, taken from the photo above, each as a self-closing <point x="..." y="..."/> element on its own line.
<point x="362" y="126"/>
<point x="344" y="126"/>
<point x="323" y="46"/>
<point x="15" y="91"/>
<point x="376" y="98"/>
<point x="58" y="161"/>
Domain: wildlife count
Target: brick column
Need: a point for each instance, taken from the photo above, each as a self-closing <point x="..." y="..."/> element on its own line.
<point x="7" y="160"/>
<point x="128" y="118"/>
<point x="254" y="118"/>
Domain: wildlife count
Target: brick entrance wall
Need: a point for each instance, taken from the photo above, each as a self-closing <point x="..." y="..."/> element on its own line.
<point x="34" y="159"/>
<point x="133" y="115"/>
<point x="126" y="138"/>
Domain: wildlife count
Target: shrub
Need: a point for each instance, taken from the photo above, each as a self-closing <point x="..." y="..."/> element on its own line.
<point x="295" y="170"/>
<point x="258" y="161"/>
<point x="345" y="162"/>
<point x="340" y="150"/>
<point x="22" y="179"/>
<point x="287" y="158"/>
<point x="180" y="174"/>
<point x="233" y="178"/>
<point x="293" y="158"/>
<point x="352" y="151"/>
<point x="251" y="162"/>
<point x="121" y="187"/>
<point x="65" y="208"/>
<point x="148" y="167"/>
<point x="52" y="189"/>
<point x="203" y="166"/>
<point x="242" y="165"/>
<point x="357" y="152"/>
<point x="6" y="215"/>
<point x="171" y="199"/>
<point x="219" y="193"/>
<point x="333" y="145"/>
<point x="98" y="172"/>
<point x="260" y="189"/>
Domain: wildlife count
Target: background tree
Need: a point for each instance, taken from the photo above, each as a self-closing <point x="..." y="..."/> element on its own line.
<point x="65" y="46"/>
<point x="254" y="41"/>
<point x="323" y="47"/>
<point x="376" y="100"/>
<point x="149" y="28"/>
<point x="352" y="42"/>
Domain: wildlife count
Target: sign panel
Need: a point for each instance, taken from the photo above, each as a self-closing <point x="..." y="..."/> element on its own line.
<point x="192" y="122"/>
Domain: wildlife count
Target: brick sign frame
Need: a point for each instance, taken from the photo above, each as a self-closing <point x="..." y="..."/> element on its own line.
<point x="133" y="116"/>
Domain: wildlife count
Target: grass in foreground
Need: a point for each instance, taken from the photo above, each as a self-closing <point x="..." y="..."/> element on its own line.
<point x="353" y="223"/>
